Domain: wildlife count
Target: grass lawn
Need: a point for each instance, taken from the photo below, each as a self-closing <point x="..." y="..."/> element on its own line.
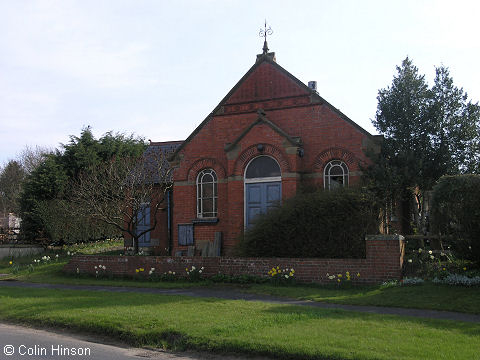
<point x="426" y="296"/>
<point x="279" y="331"/>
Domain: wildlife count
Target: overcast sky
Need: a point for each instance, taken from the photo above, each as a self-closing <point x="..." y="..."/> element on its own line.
<point x="158" y="68"/>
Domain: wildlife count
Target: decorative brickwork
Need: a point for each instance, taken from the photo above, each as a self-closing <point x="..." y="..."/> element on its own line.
<point x="252" y="152"/>
<point x="335" y="154"/>
<point x="384" y="260"/>
<point x="201" y="164"/>
<point x="291" y="122"/>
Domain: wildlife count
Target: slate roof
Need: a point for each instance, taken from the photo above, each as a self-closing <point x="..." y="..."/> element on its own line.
<point x="160" y="151"/>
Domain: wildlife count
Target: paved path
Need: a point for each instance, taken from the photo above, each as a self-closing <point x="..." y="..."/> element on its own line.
<point x="237" y="295"/>
<point x="19" y="342"/>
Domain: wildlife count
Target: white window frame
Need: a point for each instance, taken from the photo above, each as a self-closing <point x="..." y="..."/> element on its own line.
<point x="200" y="196"/>
<point x="327" y="176"/>
<point x="262" y="179"/>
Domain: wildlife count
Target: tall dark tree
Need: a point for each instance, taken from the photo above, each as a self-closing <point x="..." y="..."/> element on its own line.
<point x="400" y="117"/>
<point x="427" y="133"/>
<point x="48" y="188"/>
<point x="455" y="139"/>
<point x="11" y="178"/>
<point x="47" y="182"/>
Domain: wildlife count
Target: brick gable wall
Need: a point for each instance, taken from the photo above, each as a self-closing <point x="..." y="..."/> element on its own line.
<point x="228" y="140"/>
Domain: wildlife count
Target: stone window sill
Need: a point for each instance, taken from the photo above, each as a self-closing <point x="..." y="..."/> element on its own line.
<point x="199" y="221"/>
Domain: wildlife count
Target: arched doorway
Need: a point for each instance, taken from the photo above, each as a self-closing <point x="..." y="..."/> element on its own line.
<point x="263" y="187"/>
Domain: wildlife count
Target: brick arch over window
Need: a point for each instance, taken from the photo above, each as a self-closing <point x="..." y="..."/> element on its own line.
<point x="252" y="152"/>
<point x="335" y="154"/>
<point x="203" y="164"/>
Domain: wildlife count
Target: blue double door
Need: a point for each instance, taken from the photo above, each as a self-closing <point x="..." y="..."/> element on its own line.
<point x="261" y="197"/>
<point x="143" y="223"/>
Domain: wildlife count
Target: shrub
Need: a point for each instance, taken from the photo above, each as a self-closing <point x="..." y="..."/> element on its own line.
<point x="328" y="224"/>
<point x="194" y="274"/>
<point x="455" y="212"/>
<point x="459" y="280"/>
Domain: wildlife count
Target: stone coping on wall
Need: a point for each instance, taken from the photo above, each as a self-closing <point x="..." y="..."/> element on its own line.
<point x="384" y="237"/>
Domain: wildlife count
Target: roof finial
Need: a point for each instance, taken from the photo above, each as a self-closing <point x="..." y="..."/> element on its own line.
<point x="263" y="33"/>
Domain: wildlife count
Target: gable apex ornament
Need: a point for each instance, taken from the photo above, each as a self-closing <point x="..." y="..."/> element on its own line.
<point x="264" y="33"/>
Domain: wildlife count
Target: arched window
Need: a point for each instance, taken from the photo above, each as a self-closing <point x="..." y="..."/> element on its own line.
<point x="335" y="175"/>
<point x="262" y="167"/>
<point x="207" y="194"/>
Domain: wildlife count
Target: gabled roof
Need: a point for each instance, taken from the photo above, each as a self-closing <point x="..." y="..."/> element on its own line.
<point x="262" y="119"/>
<point x="159" y="152"/>
<point x="261" y="59"/>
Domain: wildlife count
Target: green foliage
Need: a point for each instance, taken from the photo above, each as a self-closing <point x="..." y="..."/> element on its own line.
<point x="455" y="212"/>
<point x="329" y="224"/>
<point x="428" y="132"/>
<point x="255" y="328"/>
<point x="194" y="274"/>
<point x="46" y="207"/>
<point x="278" y="276"/>
<point x="11" y="177"/>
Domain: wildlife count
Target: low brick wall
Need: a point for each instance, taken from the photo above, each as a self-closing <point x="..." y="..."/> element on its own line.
<point x="384" y="260"/>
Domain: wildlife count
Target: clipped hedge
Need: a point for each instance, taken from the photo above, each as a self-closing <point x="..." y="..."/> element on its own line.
<point x="456" y="212"/>
<point x="326" y="224"/>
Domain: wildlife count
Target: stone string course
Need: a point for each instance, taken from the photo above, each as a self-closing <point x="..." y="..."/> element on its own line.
<point x="384" y="259"/>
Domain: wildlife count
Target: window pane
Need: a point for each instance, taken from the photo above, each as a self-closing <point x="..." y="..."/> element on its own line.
<point x="335" y="182"/>
<point x="207" y="205"/>
<point x="335" y="174"/>
<point x="207" y="191"/>
<point x="263" y="166"/>
<point x="207" y="178"/>
<point x="336" y="170"/>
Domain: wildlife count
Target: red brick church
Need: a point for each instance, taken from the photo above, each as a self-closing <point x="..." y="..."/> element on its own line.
<point x="270" y="135"/>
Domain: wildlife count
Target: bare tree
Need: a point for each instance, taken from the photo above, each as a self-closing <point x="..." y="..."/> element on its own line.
<point x="118" y="191"/>
<point x="31" y="157"/>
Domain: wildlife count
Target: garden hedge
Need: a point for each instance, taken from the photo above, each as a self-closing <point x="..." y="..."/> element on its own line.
<point x="456" y="212"/>
<point x="327" y="224"/>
